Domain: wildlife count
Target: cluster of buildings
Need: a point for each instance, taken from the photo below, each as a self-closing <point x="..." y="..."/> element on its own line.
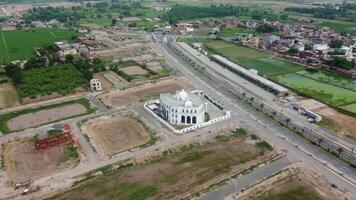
<point x="75" y="49"/>
<point x="310" y="46"/>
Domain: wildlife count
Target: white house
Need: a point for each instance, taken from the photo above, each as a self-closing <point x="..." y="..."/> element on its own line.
<point x="95" y="85"/>
<point x="183" y="108"/>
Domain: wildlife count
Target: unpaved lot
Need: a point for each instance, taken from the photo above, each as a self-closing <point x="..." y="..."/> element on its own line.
<point x="294" y="182"/>
<point x="134" y="70"/>
<point x="23" y="162"/>
<point x="8" y="96"/>
<point x="114" y="134"/>
<point x="127" y="97"/>
<point x="105" y="83"/>
<point x="338" y="122"/>
<point x="174" y="175"/>
<point x="45" y="116"/>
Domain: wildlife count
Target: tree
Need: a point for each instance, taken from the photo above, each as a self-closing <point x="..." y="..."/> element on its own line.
<point x="341" y="62"/>
<point x="14" y="72"/>
<point x="293" y="51"/>
<point x="336" y="44"/>
<point x="339" y="151"/>
<point x="265" y="28"/>
<point x="113" y="22"/>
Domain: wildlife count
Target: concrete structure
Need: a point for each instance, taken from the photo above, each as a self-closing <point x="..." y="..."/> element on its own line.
<point x="95" y="85"/>
<point x="251" y="76"/>
<point x="183" y="108"/>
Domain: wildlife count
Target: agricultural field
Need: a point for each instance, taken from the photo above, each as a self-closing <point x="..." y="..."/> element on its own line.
<point x="111" y="135"/>
<point x="20" y="44"/>
<point x="60" y="79"/>
<point x="8" y="96"/>
<point x="331" y="94"/>
<point x="327" y="87"/>
<point x="264" y="62"/>
<point x="38" y="116"/>
<point x="137" y="94"/>
<point x="176" y="173"/>
<point x="23" y="162"/>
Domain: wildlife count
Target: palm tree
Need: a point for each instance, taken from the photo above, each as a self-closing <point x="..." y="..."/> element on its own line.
<point x="320" y="140"/>
<point x="243" y="95"/>
<point x="339" y="151"/>
<point x="287" y="121"/>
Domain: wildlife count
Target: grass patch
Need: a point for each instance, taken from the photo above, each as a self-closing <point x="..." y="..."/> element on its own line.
<point x="206" y="117"/>
<point x="72" y="151"/>
<point x="291" y="192"/>
<point x="54" y="132"/>
<point x="264" y="145"/>
<point x="8" y="116"/>
<point x="61" y="78"/>
<point x="20" y="44"/>
<point x="194" y="156"/>
<point x="239" y="132"/>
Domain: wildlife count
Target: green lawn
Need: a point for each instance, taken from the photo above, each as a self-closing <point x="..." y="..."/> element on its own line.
<point x="19" y="44"/>
<point x="339" y="26"/>
<point x="230" y="32"/>
<point x="328" y="93"/>
<point x="61" y="78"/>
<point x="265" y="63"/>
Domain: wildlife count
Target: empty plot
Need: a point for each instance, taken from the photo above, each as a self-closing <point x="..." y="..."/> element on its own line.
<point x="134" y="70"/>
<point x="130" y="96"/>
<point x="8" y="96"/>
<point x="113" y="134"/>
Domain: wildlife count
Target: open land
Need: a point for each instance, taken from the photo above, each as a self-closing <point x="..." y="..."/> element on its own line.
<point x="15" y="45"/>
<point x="8" y="96"/>
<point x="172" y="175"/>
<point x="129" y="96"/>
<point x="23" y="162"/>
<point x="114" y="134"/>
<point x="296" y="182"/>
<point x="34" y="117"/>
<point x="327" y="87"/>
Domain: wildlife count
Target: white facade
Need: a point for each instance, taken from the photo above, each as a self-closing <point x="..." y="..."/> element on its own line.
<point x="95" y="85"/>
<point x="183" y="108"/>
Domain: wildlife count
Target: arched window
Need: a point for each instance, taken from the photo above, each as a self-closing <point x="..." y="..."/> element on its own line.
<point x="188" y="119"/>
<point x="194" y="119"/>
<point x="182" y="119"/>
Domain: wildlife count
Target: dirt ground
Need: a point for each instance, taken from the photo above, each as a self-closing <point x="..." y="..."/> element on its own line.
<point x="8" y="96"/>
<point x="134" y="70"/>
<point x="338" y="122"/>
<point x="105" y="83"/>
<point x="23" y="162"/>
<point x="45" y="116"/>
<point x="291" y="178"/>
<point x="127" y="97"/>
<point x="175" y="175"/>
<point x="111" y="135"/>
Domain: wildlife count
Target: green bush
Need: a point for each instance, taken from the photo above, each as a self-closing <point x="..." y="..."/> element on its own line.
<point x="264" y="145"/>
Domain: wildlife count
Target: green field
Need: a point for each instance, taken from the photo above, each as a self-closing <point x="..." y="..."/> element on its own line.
<point x="230" y="32"/>
<point x="331" y="94"/>
<point x="264" y="62"/>
<point x="324" y="86"/>
<point x="20" y="44"/>
<point x="61" y="78"/>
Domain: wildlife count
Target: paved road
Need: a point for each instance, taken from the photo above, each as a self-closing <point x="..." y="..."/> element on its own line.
<point x="264" y="127"/>
<point x="246" y="180"/>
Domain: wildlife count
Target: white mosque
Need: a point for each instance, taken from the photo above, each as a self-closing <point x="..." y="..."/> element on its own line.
<point x="183" y="108"/>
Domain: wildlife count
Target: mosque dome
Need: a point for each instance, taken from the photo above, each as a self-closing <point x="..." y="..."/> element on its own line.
<point x="182" y="95"/>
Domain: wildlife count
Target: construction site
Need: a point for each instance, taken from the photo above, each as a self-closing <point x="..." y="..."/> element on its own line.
<point x="38" y="156"/>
